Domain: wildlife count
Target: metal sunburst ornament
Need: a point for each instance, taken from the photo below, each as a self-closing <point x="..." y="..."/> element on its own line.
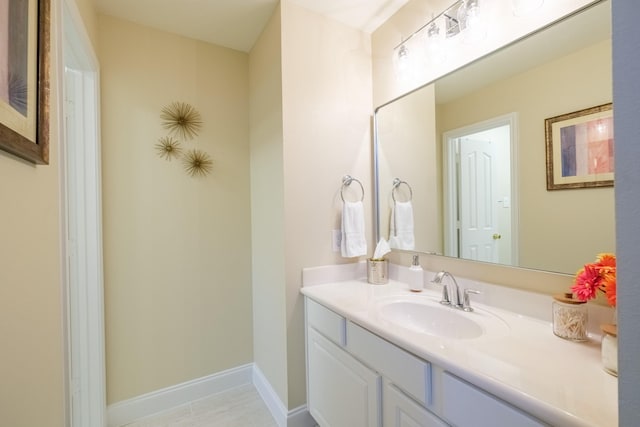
<point x="168" y="148"/>
<point x="181" y="119"/>
<point x="197" y="163"/>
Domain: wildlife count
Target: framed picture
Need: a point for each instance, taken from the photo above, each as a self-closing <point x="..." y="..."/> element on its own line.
<point x="24" y="78"/>
<point x="580" y="149"/>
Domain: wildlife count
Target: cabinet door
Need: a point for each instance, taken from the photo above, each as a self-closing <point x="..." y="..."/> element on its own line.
<point x="399" y="410"/>
<point x="341" y="391"/>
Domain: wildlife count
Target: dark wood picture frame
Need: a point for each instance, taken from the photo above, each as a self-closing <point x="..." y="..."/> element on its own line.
<point x="35" y="150"/>
<point x="577" y="155"/>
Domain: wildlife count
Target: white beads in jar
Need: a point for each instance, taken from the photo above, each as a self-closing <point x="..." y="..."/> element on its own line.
<point x="569" y="317"/>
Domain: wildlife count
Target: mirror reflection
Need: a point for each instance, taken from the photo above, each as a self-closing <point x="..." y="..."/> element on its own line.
<point x="469" y="151"/>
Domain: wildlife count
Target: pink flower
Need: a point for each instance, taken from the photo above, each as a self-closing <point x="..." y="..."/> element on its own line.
<point x="597" y="276"/>
<point x="586" y="283"/>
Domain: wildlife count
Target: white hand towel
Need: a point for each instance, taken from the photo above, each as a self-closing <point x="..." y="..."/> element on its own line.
<point x="401" y="226"/>
<point x="354" y="242"/>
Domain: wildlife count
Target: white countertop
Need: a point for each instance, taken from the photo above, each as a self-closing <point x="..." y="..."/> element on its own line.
<point x="558" y="381"/>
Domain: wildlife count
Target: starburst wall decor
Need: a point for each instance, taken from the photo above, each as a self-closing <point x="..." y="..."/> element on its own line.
<point x="168" y="148"/>
<point x="197" y="163"/>
<point x="183" y="121"/>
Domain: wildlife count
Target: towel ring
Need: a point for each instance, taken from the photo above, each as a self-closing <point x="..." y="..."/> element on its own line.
<point x="397" y="182"/>
<point x="346" y="181"/>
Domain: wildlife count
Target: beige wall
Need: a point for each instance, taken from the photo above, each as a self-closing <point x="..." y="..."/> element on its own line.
<point x="177" y="271"/>
<point x="90" y="19"/>
<point x="267" y="207"/>
<point x="553" y="224"/>
<point x="31" y="295"/>
<point x="304" y="138"/>
<point x="326" y="69"/>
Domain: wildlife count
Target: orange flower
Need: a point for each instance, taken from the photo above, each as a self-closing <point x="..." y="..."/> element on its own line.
<point x="610" y="291"/>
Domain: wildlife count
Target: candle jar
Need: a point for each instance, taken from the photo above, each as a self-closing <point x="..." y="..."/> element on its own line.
<point x="569" y="317"/>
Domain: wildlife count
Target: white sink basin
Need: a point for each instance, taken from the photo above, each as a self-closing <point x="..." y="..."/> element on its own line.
<point x="431" y="318"/>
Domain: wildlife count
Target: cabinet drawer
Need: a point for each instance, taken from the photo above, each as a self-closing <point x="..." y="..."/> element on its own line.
<point x="411" y="374"/>
<point x="466" y="405"/>
<point x="327" y="322"/>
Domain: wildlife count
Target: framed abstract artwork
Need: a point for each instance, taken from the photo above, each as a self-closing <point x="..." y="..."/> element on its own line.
<point x="24" y="78"/>
<point x="580" y="149"/>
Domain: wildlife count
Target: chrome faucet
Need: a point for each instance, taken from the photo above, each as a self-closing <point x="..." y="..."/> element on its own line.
<point x="448" y="298"/>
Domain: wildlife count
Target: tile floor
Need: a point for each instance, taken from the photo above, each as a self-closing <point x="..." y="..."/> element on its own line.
<point x="238" y="407"/>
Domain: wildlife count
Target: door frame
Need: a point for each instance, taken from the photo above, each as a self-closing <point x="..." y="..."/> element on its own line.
<point x="81" y="222"/>
<point x="450" y="180"/>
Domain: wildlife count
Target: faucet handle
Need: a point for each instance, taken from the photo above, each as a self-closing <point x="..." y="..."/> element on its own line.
<point x="466" y="305"/>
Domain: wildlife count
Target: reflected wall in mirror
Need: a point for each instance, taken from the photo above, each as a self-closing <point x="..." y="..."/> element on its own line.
<point x="425" y="138"/>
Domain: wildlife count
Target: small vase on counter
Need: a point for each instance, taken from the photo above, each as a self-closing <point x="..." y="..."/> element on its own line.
<point x="609" y="348"/>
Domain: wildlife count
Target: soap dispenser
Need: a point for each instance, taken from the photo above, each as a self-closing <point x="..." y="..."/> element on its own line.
<point x="416" y="279"/>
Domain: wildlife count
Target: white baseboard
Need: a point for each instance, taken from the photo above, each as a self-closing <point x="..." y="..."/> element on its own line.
<point x="298" y="417"/>
<point x="130" y="410"/>
<point x="127" y="411"/>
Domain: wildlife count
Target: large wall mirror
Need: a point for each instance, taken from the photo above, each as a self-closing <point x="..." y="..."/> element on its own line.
<point x="464" y="157"/>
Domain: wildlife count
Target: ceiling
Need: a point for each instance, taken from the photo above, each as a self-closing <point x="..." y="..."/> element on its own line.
<point x="237" y="24"/>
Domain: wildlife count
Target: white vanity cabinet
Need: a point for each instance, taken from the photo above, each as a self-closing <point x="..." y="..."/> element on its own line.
<point x="356" y="378"/>
<point x="341" y="391"/>
<point x="345" y="369"/>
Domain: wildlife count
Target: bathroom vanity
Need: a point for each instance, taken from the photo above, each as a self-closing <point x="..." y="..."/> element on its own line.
<point x="380" y="355"/>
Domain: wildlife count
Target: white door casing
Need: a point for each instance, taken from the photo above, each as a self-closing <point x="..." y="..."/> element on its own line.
<point x="82" y="224"/>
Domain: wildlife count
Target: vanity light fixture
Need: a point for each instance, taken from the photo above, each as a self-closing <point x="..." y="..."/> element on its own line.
<point x="523" y="7"/>
<point x="461" y="15"/>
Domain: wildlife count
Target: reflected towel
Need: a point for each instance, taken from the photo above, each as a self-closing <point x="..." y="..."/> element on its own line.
<point x="353" y="242"/>
<point x="401" y="226"/>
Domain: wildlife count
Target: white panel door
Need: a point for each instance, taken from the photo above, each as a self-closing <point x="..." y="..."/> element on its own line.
<point x="341" y="391"/>
<point x="478" y="217"/>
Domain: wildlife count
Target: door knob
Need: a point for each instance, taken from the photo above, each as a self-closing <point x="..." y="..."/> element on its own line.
<point x="497" y="236"/>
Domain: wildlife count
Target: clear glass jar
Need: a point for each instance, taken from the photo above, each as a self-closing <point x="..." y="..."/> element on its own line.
<point x="610" y="348"/>
<point x="569" y="317"/>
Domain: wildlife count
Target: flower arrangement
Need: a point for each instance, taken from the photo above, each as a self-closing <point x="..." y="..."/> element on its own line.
<point x="597" y="276"/>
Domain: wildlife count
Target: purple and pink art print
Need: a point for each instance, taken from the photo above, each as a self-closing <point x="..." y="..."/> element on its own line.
<point x="587" y="148"/>
<point x="580" y="149"/>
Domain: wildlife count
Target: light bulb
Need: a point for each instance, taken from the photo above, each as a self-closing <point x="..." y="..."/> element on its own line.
<point x="435" y="49"/>
<point x="402" y="60"/>
<point x="474" y="21"/>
